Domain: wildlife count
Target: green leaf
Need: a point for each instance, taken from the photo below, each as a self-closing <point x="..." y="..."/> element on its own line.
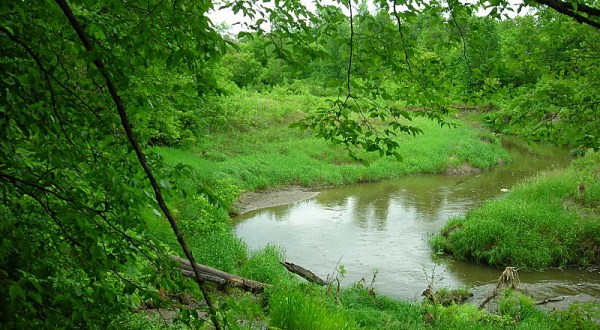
<point x="16" y="292"/>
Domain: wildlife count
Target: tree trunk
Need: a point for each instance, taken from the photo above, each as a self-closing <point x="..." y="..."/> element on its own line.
<point x="303" y="272"/>
<point x="220" y="277"/>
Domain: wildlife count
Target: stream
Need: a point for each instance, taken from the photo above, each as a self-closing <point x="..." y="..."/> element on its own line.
<point x="384" y="228"/>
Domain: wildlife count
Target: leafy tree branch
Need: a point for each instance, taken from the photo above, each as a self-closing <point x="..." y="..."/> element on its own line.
<point x="574" y="10"/>
<point x="139" y="153"/>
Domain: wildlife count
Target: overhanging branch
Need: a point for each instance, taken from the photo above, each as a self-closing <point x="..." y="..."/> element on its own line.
<point x="125" y="123"/>
<point x="566" y="8"/>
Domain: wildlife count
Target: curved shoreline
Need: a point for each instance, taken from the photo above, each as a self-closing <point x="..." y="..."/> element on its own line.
<point x="255" y="200"/>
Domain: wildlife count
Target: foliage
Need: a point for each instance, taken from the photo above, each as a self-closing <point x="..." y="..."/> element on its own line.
<point x="72" y="191"/>
<point x="578" y="316"/>
<point x="297" y="308"/>
<point x="556" y="80"/>
<point x="540" y="71"/>
<point x="79" y="248"/>
<point x="551" y="220"/>
<point x="171" y="109"/>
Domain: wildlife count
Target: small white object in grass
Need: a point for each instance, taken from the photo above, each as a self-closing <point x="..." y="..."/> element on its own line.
<point x="504" y="190"/>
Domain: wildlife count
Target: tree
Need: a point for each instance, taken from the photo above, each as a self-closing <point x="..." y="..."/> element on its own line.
<point x="84" y="85"/>
<point x="557" y="100"/>
<point x="72" y="186"/>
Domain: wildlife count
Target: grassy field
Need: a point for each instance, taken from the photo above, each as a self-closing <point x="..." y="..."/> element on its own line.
<point x="257" y="154"/>
<point x="259" y="151"/>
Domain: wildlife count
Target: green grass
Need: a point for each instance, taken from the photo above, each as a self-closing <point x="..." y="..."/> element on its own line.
<point x="259" y="151"/>
<point x="303" y="307"/>
<point x="545" y="222"/>
<point x="265" y="154"/>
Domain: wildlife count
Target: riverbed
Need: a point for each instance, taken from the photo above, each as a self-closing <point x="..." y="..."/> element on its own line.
<point x="383" y="229"/>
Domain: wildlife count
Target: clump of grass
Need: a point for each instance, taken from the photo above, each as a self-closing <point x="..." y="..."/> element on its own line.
<point x="372" y="311"/>
<point x="264" y="266"/>
<point x="547" y="221"/>
<point x="222" y="250"/>
<point x="516" y="305"/>
<point x="300" y="307"/>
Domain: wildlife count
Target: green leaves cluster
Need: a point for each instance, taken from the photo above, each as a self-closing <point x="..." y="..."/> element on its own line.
<point x="74" y="249"/>
<point x="552" y="81"/>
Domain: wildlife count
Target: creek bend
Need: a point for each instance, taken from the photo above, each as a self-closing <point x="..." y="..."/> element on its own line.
<point x="385" y="227"/>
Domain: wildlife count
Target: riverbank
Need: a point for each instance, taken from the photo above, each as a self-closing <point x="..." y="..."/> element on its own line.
<point x="551" y="220"/>
<point x="255" y="200"/>
<point x="222" y="167"/>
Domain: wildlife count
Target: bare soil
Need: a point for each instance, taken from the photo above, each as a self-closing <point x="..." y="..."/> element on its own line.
<point x="251" y="201"/>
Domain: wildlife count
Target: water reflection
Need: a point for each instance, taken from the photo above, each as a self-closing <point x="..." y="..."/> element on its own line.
<point x="386" y="226"/>
<point x="279" y="213"/>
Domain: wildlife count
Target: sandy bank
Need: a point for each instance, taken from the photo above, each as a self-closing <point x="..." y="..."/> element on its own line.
<point x="251" y="201"/>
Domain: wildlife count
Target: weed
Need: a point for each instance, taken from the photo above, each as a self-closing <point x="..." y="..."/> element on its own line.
<point x="516" y="305"/>
<point x="264" y="266"/>
<point x="297" y="309"/>
<point x="578" y="316"/>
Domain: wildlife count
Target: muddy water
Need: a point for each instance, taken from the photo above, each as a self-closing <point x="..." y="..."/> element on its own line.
<point x="383" y="228"/>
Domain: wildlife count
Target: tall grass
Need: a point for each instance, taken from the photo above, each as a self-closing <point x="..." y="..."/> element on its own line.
<point x="295" y="308"/>
<point x="260" y="151"/>
<point x="550" y="220"/>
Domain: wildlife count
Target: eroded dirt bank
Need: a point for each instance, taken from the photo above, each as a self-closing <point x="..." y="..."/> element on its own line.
<point x="251" y="201"/>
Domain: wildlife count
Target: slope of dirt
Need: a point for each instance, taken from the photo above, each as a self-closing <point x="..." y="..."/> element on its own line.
<point x="251" y="201"/>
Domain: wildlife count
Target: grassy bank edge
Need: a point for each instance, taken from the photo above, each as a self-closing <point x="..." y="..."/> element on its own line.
<point x="228" y="163"/>
<point x="551" y="220"/>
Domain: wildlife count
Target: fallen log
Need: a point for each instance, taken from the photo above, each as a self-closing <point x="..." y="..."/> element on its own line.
<point x="220" y="277"/>
<point x="548" y="300"/>
<point x="303" y="272"/>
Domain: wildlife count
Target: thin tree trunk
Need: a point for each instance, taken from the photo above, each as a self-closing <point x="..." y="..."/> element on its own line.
<point x="139" y="153"/>
<point x="220" y="277"/>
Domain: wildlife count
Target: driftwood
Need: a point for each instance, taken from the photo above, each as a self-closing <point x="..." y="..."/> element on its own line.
<point x="220" y="277"/>
<point x="548" y="300"/>
<point x="303" y="272"/>
<point x="508" y="278"/>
